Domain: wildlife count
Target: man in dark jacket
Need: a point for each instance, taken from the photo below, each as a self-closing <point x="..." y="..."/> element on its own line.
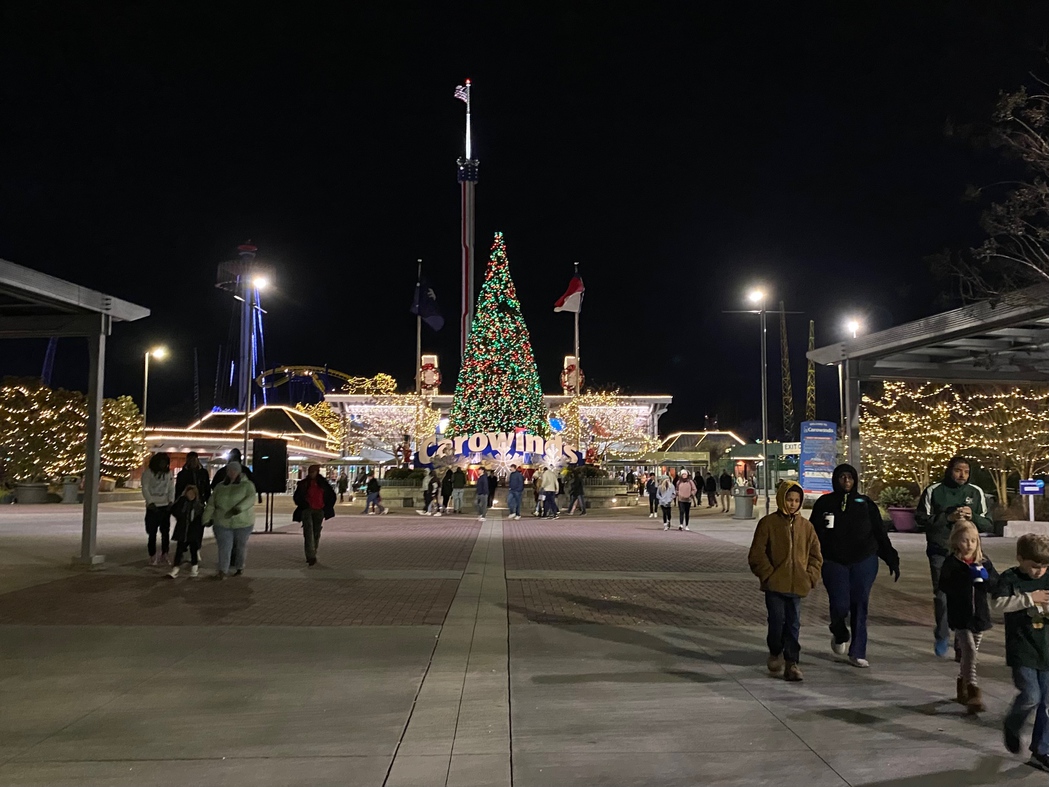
<point x="193" y="474"/>
<point x="314" y="502"/>
<point x="941" y="505"/>
<point x="725" y="493"/>
<point x="653" y="492"/>
<point x="852" y="538"/>
<point x="344" y="484"/>
<point x="513" y="498"/>
<point x="710" y="486"/>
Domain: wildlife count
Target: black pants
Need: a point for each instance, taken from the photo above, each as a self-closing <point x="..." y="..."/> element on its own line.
<point x="444" y="499"/>
<point x="712" y="499"/>
<point x="667" y="516"/>
<point x="653" y="505"/>
<point x="427" y="499"/>
<point x="180" y="551"/>
<point x="158" y="518"/>
<point x="683" y="507"/>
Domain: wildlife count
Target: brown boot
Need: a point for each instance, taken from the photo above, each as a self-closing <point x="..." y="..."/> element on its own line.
<point x="975" y="701"/>
<point x="963" y="691"/>
<point x="792" y="673"/>
<point x="775" y="664"/>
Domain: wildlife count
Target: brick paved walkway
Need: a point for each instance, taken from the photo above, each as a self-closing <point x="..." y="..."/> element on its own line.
<point x="424" y="651"/>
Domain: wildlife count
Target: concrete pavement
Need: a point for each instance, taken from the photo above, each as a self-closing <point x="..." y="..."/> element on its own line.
<point x="424" y="651"/>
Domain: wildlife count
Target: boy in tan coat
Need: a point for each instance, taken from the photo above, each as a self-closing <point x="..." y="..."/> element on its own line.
<point x="785" y="556"/>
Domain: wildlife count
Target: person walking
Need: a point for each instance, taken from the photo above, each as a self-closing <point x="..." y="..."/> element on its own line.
<point x="686" y="493"/>
<point x="967" y="579"/>
<point x="447" y="485"/>
<point x="188" y="511"/>
<point x="785" y="557"/>
<point x="549" y="486"/>
<point x="942" y="504"/>
<point x="537" y="493"/>
<point x="158" y="491"/>
<point x="458" y="489"/>
<point x="653" y="495"/>
<point x="245" y="471"/>
<point x="373" y="501"/>
<point x="710" y="486"/>
<point x="231" y="511"/>
<point x="482" y="495"/>
<point x="493" y="484"/>
<point x="576" y="492"/>
<point x="314" y="501"/>
<point x="1022" y="594"/>
<point x="193" y="474"/>
<point x="344" y="484"/>
<point x="666" y="495"/>
<point x="852" y="538"/>
<point x="725" y="490"/>
<point x="515" y="484"/>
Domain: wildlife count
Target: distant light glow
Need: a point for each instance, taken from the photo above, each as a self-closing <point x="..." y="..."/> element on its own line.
<point x="159" y="352"/>
<point x="260" y="282"/>
<point x="853" y="327"/>
<point x="756" y="296"/>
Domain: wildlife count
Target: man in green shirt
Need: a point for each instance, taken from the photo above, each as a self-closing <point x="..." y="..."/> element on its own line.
<point x="941" y="505"/>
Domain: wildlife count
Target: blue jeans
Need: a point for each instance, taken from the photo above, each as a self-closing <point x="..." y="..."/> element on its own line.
<point x="513" y="502"/>
<point x="373" y="500"/>
<point x="784" y="624"/>
<point x="482" y="505"/>
<point x="939" y="598"/>
<point x="1033" y="686"/>
<point x="226" y="537"/>
<point x="849" y="591"/>
<point x="550" y="504"/>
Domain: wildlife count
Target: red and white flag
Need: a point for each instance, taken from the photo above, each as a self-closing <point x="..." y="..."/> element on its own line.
<point x="572" y="300"/>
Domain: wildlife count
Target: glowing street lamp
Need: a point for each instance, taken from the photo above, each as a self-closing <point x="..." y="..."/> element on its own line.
<point x="853" y="327"/>
<point x="159" y="353"/>
<point x="757" y="297"/>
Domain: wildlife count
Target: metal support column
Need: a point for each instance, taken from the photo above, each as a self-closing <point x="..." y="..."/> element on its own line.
<point x="851" y="385"/>
<point x="96" y="377"/>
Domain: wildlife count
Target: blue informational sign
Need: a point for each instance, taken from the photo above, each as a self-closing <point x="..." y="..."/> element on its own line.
<point x="819" y="454"/>
<point x="1035" y="487"/>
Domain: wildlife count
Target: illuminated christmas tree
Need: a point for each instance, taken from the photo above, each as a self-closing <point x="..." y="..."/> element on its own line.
<point x="498" y="388"/>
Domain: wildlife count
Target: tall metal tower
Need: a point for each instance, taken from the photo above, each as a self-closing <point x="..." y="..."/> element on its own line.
<point x="810" y="377"/>
<point x="788" y="390"/>
<point x="467" y="175"/>
<point x="244" y="277"/>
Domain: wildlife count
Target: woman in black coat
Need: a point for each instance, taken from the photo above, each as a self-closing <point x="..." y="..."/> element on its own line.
<point x="852" y="538"/>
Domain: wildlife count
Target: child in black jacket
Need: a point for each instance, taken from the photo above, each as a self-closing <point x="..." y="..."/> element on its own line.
<point x="968" y="580"/>
<point x="188" y="511"/>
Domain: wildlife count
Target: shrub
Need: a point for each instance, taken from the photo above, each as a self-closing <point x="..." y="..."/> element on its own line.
<point x="897" y="497"/>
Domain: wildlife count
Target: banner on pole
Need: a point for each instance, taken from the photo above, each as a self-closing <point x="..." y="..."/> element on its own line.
<point x="819" y="453"/>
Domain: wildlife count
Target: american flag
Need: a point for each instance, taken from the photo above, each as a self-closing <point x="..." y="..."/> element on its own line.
<point x="462" y="92"/>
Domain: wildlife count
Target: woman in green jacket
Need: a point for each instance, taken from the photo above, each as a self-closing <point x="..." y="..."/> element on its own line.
<point x="231" y="510"/>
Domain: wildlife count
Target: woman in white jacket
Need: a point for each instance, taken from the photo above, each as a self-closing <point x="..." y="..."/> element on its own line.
<point x="665" y="494"/>
<point x="158" y="489"/>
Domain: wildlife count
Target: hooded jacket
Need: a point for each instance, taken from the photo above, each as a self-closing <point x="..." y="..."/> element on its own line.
<point x="849" y="524"/>
<point x="232" y="504"/>
<point x="939" y="500"/>
<point x="711" y="484"/>
<point x="189" y="520"/>
<point x="302" y="502"/>
<point x="725" y="482"/>
<point x="785" y="553"/>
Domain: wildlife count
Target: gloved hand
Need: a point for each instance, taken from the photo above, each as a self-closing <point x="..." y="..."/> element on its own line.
<point x="894" y="570"/>
<point x="978" y="572"/>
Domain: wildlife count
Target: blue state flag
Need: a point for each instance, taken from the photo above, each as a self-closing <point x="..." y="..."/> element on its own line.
<point x="425" y="305"/>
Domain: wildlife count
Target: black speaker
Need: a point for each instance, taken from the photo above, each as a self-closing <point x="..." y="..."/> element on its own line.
<point x="270" y="465"/>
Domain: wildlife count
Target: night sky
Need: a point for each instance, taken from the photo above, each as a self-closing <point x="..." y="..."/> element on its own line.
<point x="679" y="153"/>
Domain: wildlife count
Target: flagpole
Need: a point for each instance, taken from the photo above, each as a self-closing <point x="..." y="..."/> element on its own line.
<point x="577" y="364"/>
<point x="419" y="330"/>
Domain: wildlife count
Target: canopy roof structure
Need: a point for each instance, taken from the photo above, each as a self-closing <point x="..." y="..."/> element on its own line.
<point x="1002" y="341"/>
<point x="34" y="305"/>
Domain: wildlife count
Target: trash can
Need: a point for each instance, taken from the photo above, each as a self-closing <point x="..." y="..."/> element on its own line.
<point x="743" y="497"/>
<point x="70" y="489"/>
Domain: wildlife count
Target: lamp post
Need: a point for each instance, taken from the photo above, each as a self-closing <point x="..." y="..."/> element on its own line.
<point x="852" y="325"/>
<point x="158" y="353"/>
<point x="757" y="297"/>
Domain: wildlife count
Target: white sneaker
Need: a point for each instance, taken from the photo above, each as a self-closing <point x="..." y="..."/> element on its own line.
<point x="838" y="648"/>
<point x="173" y="573"/>
<point x="385" y="511"/>
<point x="438" y="514"/>
<point x="666" y="527"/>
<point x="679" y="527"/>
<point x="686" y="528"/>
<point x="861" y="663"/>
<point x="194" y="570"/>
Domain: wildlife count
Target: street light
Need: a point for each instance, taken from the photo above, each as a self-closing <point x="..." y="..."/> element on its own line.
<point x="260" y="282"/>
<point x="159" y="353"/>
<point x="852" y="325"/>
<point x="757" y="297"/>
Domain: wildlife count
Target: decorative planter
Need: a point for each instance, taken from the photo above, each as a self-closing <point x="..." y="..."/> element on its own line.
<point x="28" y="494"/>
<point x="903" y="519"/>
